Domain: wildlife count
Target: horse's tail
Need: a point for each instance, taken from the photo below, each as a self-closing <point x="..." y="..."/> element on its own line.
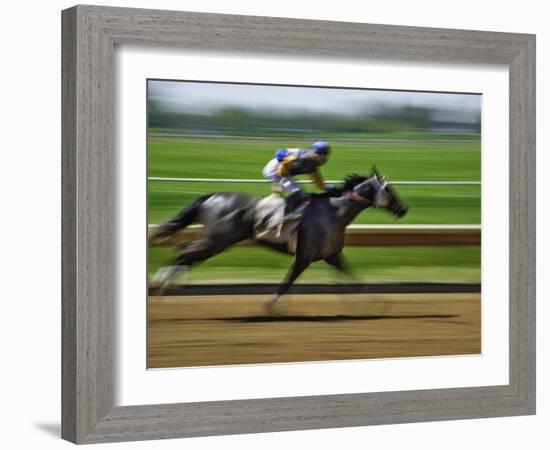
<point x="180" y="221"/>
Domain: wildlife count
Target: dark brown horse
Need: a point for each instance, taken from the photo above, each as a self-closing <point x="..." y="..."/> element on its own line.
<point x="228" y="218"/>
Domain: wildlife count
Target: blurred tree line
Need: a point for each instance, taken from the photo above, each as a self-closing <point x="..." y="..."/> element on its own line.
<point x="235" y="120"/>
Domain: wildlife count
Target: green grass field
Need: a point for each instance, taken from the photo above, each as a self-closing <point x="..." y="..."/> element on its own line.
<point x="412" y="160"/>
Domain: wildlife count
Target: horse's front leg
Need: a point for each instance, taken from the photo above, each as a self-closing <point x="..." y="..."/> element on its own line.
<point x="339" y="262"/>
<point x="300" y="264"/>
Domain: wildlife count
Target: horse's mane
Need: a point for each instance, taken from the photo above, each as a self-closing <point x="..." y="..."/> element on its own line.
<point x="350" y="182"/>
<point x="353" y="180"/>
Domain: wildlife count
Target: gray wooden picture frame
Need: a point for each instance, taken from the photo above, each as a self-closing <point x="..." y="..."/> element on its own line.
<point x="90" y="34"/>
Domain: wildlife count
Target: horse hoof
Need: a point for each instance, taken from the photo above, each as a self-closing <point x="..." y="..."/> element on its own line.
<point x="271" y="303"/>
<point x="161" y="291"/>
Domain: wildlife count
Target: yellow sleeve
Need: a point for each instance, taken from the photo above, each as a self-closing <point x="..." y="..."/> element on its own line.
<point x="284" y="166"/>
<point x="317" y="179"/>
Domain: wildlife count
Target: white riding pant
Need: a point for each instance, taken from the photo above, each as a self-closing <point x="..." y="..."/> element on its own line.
<point x="287" y="183"/>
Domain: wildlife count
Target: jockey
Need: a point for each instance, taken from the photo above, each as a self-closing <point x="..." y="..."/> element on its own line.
<point x="295" y="161"/>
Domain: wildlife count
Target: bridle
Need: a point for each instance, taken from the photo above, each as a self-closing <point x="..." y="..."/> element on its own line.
<point x="378" y="186"/>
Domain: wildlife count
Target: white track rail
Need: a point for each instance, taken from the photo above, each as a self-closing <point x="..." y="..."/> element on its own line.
<point x="253" y="180"/>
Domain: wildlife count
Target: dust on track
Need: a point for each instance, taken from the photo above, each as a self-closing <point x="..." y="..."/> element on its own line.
<point x="236" y="329"/>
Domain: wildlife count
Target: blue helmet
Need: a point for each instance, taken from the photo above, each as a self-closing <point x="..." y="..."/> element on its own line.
<point x="322" y="147"/>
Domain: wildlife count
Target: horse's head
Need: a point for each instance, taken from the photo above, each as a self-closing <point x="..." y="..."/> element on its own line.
<point x="375" y="191"/>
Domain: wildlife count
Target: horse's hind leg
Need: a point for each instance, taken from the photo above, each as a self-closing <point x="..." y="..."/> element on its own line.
<point x="189" y="254"/>
<point x="163" y="276"/>
<point x="201" y="250"/>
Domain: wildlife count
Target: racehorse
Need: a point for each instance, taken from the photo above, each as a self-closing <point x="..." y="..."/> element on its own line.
<point x="229" y="218"/>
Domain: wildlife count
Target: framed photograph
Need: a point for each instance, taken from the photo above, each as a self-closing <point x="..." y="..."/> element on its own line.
<point x="278" y="224"/>
<point x="209" y="299"/>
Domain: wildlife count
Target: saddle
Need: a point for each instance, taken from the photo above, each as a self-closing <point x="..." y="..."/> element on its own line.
<point x="270" y="224"/>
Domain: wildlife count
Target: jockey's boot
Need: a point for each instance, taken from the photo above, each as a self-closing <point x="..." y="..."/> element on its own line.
<point x="295" y="205"/>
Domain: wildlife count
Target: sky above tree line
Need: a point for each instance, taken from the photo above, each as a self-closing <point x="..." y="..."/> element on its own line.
<point x="203" y="97"/>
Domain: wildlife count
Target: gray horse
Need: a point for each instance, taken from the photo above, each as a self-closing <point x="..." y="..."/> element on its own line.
<point x="229" y="218"/>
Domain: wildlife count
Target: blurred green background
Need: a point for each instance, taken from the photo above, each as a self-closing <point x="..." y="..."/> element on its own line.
<point x="202" y="130"/>
<point x="412" y="160"/>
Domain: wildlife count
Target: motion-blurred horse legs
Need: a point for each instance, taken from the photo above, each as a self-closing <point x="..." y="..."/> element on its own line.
<point x="300" y="264"/>
<point x="340" y="263"/>
<point x="189" y="254"/>
<point x="164" y="274"/>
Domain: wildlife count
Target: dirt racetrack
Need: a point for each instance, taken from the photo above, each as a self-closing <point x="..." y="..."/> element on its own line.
<point x="236" y="329"/>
